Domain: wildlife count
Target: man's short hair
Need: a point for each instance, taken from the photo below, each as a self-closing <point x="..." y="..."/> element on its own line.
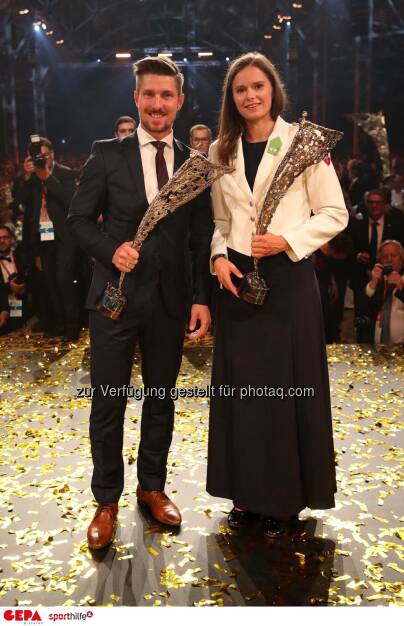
<point x="200" y="127"/>
<point x="375" y="192"/>
<point x="162" y="66"/>
<point x="43" y="141"/>
<point x="124" y="119"/>
<point x="8" y="229"/>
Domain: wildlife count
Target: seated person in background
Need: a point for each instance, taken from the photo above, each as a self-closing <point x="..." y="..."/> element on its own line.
<point x="13" y="281"/>
<point x="367" y="232"/>
<point x="386" y="292"/>
<point x="4" y="313"/>
<point x="124" y="125"/>
<point x="200" y="138"/>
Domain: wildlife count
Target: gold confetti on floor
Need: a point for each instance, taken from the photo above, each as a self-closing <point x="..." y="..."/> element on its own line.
<point x="351" y="555"/>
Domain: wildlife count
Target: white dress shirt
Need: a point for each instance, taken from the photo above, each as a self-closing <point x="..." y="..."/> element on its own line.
<point x="148" y="155"/>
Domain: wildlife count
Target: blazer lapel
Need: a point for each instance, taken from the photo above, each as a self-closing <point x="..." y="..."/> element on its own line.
<point x="131" y="151"/>
<point x="238" y="176"/>
<point x="269" y="162"/>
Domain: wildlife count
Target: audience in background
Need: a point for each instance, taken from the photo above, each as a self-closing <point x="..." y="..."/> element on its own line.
<point x="124" y="125"/>
<point x="350" y="258"/>
<point x="368" y="230"/>
<point x="200" y="138"/>
<point x="13" y="281"/>
<point x="47" y="193"/>
<point x="385" y="292"/>
<point x="332" y="265"/>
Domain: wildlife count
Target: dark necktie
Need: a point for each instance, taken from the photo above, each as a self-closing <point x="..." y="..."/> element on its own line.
<point x="161" y="165"/>
<point x="373" y="242"/>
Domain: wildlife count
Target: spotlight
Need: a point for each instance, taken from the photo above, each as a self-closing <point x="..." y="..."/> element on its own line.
<point x="23" y="11"/>
<point x="165" y="54"/>
<point x="275" y="27"/>
<point x="43" y="26"/>
<point x="287" y="23"/>
<point x="63" y="141"/>
<point x="123" y="55"/>
<point x="267" y="36"/>
<point x="205" y="54"/>
<point x="37" y="26"/>
<point x="60" y="42"/>
<point x="98" y="60"/>
<point x="185" y="60"/>
<point x="227" y="59"/>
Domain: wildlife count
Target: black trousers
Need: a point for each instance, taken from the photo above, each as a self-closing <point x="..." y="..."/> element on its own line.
<point x="160" y="339"/>
<point x="57" y="293"/>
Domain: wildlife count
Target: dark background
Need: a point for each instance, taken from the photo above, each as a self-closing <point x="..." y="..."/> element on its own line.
<point x="83" y="97"/>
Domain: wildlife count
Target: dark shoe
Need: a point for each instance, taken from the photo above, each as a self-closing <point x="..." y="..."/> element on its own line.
<point x="102" y="528"/>
<point x="236" y="519"/>
<point x="160" y="506"/>
<point x="274" y="527"/>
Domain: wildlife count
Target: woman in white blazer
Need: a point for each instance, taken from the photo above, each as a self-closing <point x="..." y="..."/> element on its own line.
<point x="270" y="435"/>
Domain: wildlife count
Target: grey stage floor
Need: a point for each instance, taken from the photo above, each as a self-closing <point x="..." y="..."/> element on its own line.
<point x="351" y="555"/>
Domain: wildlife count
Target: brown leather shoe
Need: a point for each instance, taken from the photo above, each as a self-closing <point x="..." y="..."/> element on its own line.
<point x="102" y="528"/>
<point x="160" y="505"/>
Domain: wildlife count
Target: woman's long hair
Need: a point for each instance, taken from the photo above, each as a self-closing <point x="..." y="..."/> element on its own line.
<point x="231" y="124"/>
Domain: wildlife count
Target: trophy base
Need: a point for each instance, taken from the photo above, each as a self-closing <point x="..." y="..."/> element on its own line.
<point x="253" y="289"/>
<point x="112" y="302"/>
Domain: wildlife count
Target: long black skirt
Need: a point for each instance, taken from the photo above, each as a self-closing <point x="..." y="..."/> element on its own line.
<point x="270" y="438"/>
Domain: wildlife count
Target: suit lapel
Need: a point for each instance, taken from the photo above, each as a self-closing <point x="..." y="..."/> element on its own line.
<point x="131" y="151"/>
<point x="180" y="154"/>
<point x="238" y="176"/>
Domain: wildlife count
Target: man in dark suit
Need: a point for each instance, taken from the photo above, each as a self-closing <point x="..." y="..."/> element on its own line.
<point x="129" y="172"/>
<point x="14" y="272"/>
<point x="367" y="232"/>
<point x="47" y="194"/>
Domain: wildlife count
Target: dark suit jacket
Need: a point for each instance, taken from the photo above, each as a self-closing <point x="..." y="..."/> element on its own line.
<point x="60" y="189"/>
<point x="23" y="270"/>
<point x="359" y="231"/>
<point x="112" y="184"/>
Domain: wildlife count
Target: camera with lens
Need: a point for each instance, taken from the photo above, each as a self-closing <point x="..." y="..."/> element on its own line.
<point x="387" y="269"/>
<point x="38" y="159"/>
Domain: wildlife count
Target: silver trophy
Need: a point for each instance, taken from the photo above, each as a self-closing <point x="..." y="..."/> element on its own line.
<point x="310" y="145"/>
<point x="193" y="177"/>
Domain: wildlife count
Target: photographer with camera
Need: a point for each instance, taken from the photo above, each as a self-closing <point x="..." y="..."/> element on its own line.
<point x="48" y="189"/>
<point x="386" y="292"/>
<point x="13" y="282"/>
<point x="368" y="230"/>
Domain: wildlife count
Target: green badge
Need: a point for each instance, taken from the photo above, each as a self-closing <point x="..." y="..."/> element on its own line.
<point x="274" y="146"/>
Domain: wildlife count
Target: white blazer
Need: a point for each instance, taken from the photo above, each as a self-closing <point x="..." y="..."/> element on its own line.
<point x="311" y="212"/>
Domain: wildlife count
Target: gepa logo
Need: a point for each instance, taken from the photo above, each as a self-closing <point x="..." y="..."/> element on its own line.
<point x="22" y="615"/>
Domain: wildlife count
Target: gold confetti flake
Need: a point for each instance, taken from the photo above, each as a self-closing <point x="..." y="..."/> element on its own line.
<point x="45" y="448"/>
<point x="153" y="552"/>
